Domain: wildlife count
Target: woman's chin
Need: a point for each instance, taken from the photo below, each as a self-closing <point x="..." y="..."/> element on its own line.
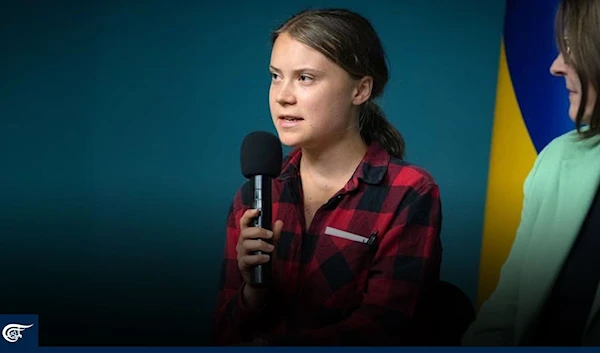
<point x="573" y="117"/>
<point x="572" y="113"/>
<point x="288" y="140"/>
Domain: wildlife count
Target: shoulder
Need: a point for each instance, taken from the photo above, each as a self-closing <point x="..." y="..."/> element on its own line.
<point x="414" y="195"/>
<point x="405" y="174"/>
<point x="568" y="145"/>
<point x="561" y="144"/>
<point x="412" y="187"/>
<point x="552" y="153"/>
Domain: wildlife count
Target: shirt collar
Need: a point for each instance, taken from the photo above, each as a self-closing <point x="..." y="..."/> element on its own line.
<point x="371" y="169"/>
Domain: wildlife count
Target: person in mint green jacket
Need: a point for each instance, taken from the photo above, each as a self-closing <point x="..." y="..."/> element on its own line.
<point x="548" y="292"/>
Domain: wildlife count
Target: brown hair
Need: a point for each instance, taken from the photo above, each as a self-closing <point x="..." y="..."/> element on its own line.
<point x="577" y="33"/>
<point x="349" y="40"/>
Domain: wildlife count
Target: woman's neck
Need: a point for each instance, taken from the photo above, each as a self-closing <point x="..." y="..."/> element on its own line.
<point x="333" y="163"/>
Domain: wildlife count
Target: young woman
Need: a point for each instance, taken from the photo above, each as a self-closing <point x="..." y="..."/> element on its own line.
<point x="356" y="236"/>
<point x="548" y="293"/>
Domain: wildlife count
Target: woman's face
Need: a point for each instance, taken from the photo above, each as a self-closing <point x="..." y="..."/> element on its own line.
<point x="312" y="100"/>
<point x="560" y="68"/>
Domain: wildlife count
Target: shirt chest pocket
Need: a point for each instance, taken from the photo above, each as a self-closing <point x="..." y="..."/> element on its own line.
<point x="343" y="258"/>
<point x="349" y="243"/>
<point x="339" y="270"/>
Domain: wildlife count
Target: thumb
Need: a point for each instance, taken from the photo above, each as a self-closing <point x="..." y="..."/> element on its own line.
<point x="277" y="228"/>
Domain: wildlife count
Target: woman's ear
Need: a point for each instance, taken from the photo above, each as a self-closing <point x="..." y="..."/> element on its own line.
<point x="362" y="91"/>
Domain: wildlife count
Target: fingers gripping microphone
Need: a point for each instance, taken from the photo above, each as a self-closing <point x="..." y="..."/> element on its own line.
<point x="261" y="159"/>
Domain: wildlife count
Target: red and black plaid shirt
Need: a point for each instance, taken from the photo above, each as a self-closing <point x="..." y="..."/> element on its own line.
<point x="329" y="290"/>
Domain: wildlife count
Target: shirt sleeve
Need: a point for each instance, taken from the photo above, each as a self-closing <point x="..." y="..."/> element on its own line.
<point x="407" y="258"/>
<point x="495" y="323"/>
<point x="233" y="321"/>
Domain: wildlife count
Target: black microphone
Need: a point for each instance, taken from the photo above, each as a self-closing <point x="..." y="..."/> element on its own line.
<point x="261" y="159"/>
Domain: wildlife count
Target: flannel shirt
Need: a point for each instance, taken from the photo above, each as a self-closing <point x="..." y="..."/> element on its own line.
<point x="330" y="290"/>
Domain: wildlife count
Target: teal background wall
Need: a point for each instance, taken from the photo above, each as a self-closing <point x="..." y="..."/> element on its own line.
<point x="121" y="123"/>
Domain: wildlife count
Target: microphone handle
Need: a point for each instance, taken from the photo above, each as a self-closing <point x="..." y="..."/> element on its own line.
<point x="261" y="274"/>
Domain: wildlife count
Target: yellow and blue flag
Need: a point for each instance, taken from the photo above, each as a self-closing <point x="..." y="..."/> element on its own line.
<point x="531" y="110"/>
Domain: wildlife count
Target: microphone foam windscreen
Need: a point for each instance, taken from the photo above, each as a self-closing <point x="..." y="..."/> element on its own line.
<point x="261" y="155"/>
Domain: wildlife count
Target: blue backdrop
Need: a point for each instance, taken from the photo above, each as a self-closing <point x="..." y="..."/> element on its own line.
<point x="120" y="136"/>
